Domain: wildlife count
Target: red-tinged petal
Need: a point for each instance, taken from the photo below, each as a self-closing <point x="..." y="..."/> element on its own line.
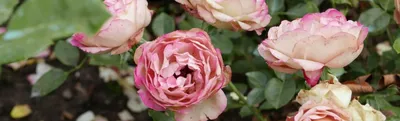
<point x="312" y="77"/>
<point x="210" y="108"/>
<point x="77" y="39"/>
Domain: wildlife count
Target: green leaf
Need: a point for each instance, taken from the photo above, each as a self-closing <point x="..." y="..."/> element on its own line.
<point x="66" y="53"/>
<point x="375" y="19"/>
<point x="6" y="8"/>
<point x="37" y="22"/>
<point x="378" y="103"/>
<point x="266" y="106"/>
<point x="281" y="76"/>
<point x="161" y="116"/>
<point x="274" y="20"/>
<point x="357" y="67"/>
<point x="163" y="24"/>
<point x="312" y="6"/>
<point x="394" y="113"/>
<point x="301" y="9"/>
<point x="106" y="60"/>
<point x="49" y="82"/>
<point x="241" y="66"/>
<point x="223" y="43"/>
<point x="325" y="72"/>
<point x="342" y="2"/>
<point x="255" y="96"/>
<point x="279" y="92"/>
<point x="337" y="71"/>
<point x="245" y="111"/>
<point x="372" y="61"/>
<point x="23" y="48"/>
<point x="275" y="6"/>
<point x="386" y="4"/>
<point x="353" y="3"/>
<point x="190" y="22"/>
<point x="396" y="45"/>
<point x="256" y="79"/>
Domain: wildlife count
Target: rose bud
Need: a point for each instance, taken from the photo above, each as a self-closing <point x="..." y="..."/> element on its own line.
<point x="182" y="72"/>
<point x="120" y="32"/>
<point x="249" y="15"/>
<point x="312" y="42"/>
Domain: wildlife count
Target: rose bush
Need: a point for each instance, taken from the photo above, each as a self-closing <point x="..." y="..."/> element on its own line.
<point x="117" y="35"/>
<point x="182" y="72"/>
<point x="249" y="15"/>
<point x="312" y="42"/>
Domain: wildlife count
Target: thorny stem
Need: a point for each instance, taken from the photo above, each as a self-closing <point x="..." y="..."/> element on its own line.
<point x="79" y="66"/>
<point x="242" y="98"/>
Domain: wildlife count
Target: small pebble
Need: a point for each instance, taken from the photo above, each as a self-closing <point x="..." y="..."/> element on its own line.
<point x="125" y="116"/>
<point x="67" y="94"/>
<point x="20" y="111"/>
<point x="87" y="116"/>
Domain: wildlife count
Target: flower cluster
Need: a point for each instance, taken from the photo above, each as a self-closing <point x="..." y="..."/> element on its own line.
<point x="331" y="101"/>
<point x="183" y="72"/>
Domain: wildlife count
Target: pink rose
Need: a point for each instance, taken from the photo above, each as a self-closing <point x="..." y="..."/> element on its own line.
<point x="182" y="72"/>
<point x="117" y="35"/>
<point x="312" y="42"/>
<point x="324" y="111"/>
<point x="249" y="15"/>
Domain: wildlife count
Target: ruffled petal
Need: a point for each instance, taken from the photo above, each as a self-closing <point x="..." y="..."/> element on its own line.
<point x="207" y="109"/>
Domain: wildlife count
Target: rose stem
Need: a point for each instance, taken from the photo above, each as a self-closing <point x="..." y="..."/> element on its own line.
<point x="241" y="97"/>
<point x="79" y="66"/>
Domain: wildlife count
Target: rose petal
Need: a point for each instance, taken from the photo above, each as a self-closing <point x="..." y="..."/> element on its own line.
<point x="312" y="77"/>
<point x="148" y="100"/>
<point x="207" y="109"/>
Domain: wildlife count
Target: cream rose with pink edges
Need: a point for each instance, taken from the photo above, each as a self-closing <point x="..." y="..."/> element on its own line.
<point x="323" y="111"/>
<point x="119" y="33"/>
<point x="182" y="72"/>
<point x="249" y="15"/>
<point x="312" y="42"/>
